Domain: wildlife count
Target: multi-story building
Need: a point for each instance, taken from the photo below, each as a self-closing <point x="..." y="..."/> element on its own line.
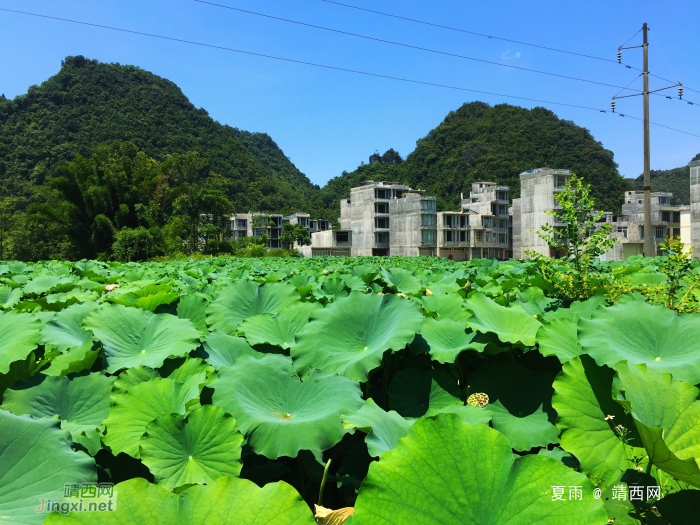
<point x="328" y="242"/>
<point x="628" y="228"/>
<point x="255" y="224"/>
<point x="454" y="235"/>
<point x="372" y="208"/>
<point x="489" y="221"/>
<point x="538" y="195"/>
<point x="695" y="207"/>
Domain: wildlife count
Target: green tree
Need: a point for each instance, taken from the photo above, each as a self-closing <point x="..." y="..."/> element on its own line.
<point x="294" y="233"/>
<point x="136" y="244"/>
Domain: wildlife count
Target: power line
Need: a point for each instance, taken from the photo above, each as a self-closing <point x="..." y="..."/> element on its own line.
<point x="491" y="37"/>
<point x="423" y="22"/>
<point x="410" y="46"/>
<point x="323" y="66"/>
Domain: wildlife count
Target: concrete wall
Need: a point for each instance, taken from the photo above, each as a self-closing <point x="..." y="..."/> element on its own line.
<point x="695" y="207"/>
<point x="405" y="225"/>
<point x="537" y="189"/>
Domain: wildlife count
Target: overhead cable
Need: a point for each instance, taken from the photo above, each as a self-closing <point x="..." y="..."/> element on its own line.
<point x="313" y="64"/>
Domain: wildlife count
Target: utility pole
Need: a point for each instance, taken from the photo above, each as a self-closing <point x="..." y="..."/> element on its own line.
<point x="648" y="245"/>
<point x="648" y="234"/>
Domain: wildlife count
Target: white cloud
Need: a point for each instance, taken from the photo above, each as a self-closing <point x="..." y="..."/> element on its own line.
<point x="508" y="55"/>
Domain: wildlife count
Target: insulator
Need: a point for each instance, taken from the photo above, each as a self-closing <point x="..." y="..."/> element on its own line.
<point x="619" y="56"/>
<point x="612" y="105"/>
<point x="680" y="92"/>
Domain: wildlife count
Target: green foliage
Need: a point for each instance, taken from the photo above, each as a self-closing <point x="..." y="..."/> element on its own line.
<point x="134" y="245"/>
<point x="422" y="390"/>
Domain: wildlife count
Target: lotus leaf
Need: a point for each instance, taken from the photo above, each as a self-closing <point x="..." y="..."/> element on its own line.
<point x="475" y="466"/>
<point x="401" y="280"/>
<point x="511" y="325"/>
<point x="446" y="306"/>
<point x="64" y="330"/>
<point x="148" y="298"/>
<point x="227" y="500"/>
<point x="197" y="449"/>
<point x="193" y="307"/>
<point x="639" y="333"/>
<point x="447" y="339"/>
<point x="44" y="283"/>
<point x="222" y="349"/>
<point x="9" y="296"/>
<point x="279" y="414"/>
<point x="349" y="336"/>
<point x="583" y="400"/>
<point x="36" y="461"/>
<point x="19" y="335"/>
<point x="278" y="330"/>
<point x="133" y="337"/>
<point x="134" y="408"/>
<point x="666" y="413"/>
<point x="244" y="299"/>
<point x="81" y="404"/>
<point x="524" y="433"/>
<point x="383" y="429"/>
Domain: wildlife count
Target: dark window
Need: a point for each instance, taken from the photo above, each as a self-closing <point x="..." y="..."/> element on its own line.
<point x="381" y="222"/>
<point x="341" y="237"/>
<point x="676" y="232"/>
<point x="381" y="208"/>
<point x="462" y="236"/>
<point x="676" y="216"/>
<point x="666" y="216"/>
<point x="448" y="236"/>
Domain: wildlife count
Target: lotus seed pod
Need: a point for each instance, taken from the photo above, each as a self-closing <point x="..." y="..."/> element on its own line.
<point x="478" y="400"/>
<point x="325" y="272"/>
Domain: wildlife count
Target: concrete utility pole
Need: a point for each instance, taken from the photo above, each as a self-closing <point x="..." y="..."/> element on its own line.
<point x="648" y="234"/>
<point x="648" y="239"/>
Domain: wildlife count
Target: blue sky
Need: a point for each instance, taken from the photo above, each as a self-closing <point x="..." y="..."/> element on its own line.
<point x="329" y="121"/>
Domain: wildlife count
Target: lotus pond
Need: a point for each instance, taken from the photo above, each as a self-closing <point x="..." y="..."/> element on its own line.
<point x="383" y="390"/>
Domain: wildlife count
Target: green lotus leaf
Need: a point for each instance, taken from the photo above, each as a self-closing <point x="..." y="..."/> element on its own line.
<point x="64" y="330"/>
<point x="511" y="325"/>
<point x="74" y="360"/>
<point x="19" y="335"/>
<point x="81" y="404"/>
<point x="331" y="289"/>
<point x="36" y="461"/>
<point x="222" y="349"/>
<point x="446" y="306"/>
<point x="639" y="333"/>
<point x="9" y="296"/>
<point x="666" y="413"/>
<point x="148" y="298"/>
<point x="133" y="337"/>
<point x="577" y="309"/>
<point x="383" y="429"/>
<point x="244" y="299"/>
<point x="401" y="280"/>
<point x="447" y="339"/>
<point x="414" y="393"/>
<point x="187" y="371"/>
<point x="193" y="307"/>
<point x="197" y="449"/>
<point x="449" y="472"/>
<point x="532" y="300"/>
<point x="583" y="400"/>
<point x="279" y="414"/>
<point x="227" y="500"/>
<point x="559" y="338"/>
<point x="134" y="408"/>
<point x="278" y="330"/>
<point x="349" y="336"/>
<point x="44" y="283"/>
<point x="19" y="370"/>
<point x="556" y="453"/>
<point x="524" y="433"/>
<point x="132" y="377"/>
<point x="467" y="413"/>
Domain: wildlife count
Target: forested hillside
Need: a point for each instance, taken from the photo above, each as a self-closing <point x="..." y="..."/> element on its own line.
<point x="676" y="180"/>
<point x="481" y="142"/>
<point x="89" y="103"/>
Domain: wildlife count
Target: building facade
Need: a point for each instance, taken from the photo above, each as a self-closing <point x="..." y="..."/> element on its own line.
<point x="628" y="228"/>
<point x="372" y="210"/>
<point x="695" y="207"/>
<point x="538" y="195"/>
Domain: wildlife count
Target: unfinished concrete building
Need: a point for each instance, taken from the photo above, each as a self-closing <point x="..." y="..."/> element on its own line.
<point x="489" y="221"/>
<point x="628" y="228"/>
<point x="328" y="242"/>
<point x="538" y="191"/>
<point x="453" y="235"/>
<point x="371" y="211"/>
<point x="255" y="224"/>
<point x="695" y="207"/>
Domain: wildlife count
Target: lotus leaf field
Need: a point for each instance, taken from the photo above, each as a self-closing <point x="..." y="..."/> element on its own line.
<point x="386" y="390"/>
